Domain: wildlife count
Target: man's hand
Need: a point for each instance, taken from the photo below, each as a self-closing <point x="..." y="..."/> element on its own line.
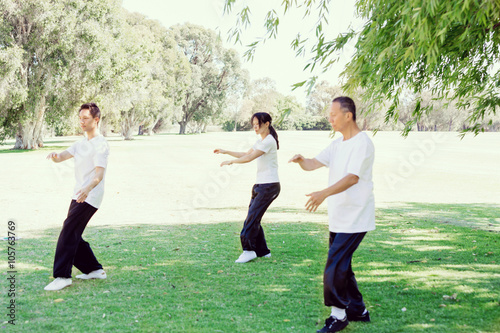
<point x="53" y="156"/>
<point x="297" y="159"/>
<point x="316" y="199"/>
<point x="63" y="156"/>
<point x="226" y="163"/>
<point x="83" y="194"/>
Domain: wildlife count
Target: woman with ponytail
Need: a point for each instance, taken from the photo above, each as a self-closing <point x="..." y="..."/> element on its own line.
<point x="266" y="188"/>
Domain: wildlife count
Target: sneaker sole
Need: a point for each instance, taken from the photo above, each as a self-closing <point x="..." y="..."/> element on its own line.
<point x="365" y="318"/>
<point x="90" y="278"/>
<point x="69" y="285"/>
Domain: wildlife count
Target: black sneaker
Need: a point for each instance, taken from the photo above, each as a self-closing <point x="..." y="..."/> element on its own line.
<point x="333" y="324"/>
<point x="358" y="317"/>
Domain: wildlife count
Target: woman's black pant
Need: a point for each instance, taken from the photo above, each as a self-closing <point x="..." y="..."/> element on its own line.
<point x="71" y="249"/>
<point x="252" y="235"/>
<point x="340" y="286"/>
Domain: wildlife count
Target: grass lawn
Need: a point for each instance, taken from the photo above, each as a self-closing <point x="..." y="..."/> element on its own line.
<point x="182" y="278"/>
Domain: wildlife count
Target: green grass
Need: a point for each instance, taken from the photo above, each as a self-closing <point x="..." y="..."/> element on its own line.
<point x="183" y="278"/>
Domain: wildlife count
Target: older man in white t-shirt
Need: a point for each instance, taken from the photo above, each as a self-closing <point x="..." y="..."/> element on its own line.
<point x="91" y="159"/>
<point x="351" y="211"/>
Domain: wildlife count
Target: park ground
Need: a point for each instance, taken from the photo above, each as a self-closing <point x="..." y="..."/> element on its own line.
<point x="168" y="234"/>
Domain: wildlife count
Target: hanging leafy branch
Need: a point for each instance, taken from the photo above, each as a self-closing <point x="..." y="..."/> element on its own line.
<point x="449" y="48"/>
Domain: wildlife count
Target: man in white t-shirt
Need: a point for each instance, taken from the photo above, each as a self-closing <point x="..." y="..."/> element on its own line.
<point x="91" y="159"/>
<point x="351" y="211"/>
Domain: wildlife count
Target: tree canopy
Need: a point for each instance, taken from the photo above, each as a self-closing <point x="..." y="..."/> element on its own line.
<point x="449" y="48"/>
<point x="57" y="55"/>
<point x="216" y="73"/>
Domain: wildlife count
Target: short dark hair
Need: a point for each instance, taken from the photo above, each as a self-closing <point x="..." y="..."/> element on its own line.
<point x="347" y="105"/>
<point x="93" y="109"/>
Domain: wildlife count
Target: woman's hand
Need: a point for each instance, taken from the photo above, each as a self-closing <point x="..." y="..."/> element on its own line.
<point x="219" y="151"/>
<point x="226" y="163"/>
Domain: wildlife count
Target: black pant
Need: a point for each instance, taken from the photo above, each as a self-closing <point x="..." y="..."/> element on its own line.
<point x="71" y="248"/>
<point x="340" y="286"/>
<point x="252" y="235"/>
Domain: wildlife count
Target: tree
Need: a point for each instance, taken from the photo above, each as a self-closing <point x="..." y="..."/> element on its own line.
<point x="170" y="76"/>
<point x="442" y="46"/>
<point x="54" y="51"/>
<point x="290" y="113"/>
<point x="215" y="73"/>
<point x="261" y="96"/>
<point x="138" y="92"/>
<point x="321" y="97"/>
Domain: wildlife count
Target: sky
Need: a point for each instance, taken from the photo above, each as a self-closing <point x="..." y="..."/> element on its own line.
<point x="274" y="59"/>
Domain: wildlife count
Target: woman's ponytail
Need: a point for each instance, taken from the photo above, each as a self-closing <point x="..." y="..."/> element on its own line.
<point x="275" y="135"/>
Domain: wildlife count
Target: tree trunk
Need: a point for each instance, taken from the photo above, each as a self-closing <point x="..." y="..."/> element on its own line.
<point x="128" y="121"/>
<point x="157" y="127"/>
<point x="30" y="132"/>
<point x="127" y="133"/>
<point x="183" y="125"/>
<point x="103" y="127"/>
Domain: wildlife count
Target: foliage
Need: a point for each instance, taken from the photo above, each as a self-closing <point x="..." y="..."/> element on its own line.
<point x="216" y="74"/>
<point x="232" y="125"/>
<point x="58" y="59"/>
<point x="321" y="97"/>
<point x="450" y="49"/>
<point x="313" y="123"/>
<point x="55" y="56"/>
<point x="288" y="113"/>
<point x="262" y="96"/>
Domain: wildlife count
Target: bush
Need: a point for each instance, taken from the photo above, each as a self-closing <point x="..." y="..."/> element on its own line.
<point x="228" y="126"/>
<point x="313" y="123"/>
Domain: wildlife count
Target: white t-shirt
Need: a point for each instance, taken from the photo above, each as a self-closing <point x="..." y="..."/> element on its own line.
<point x="353" y="210"/>
<point x="88" y="155"/>
<point x="267" y="164"/>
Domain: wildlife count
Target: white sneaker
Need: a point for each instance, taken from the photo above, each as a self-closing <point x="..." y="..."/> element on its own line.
<point x="58" y="284"/>
<point x="98" y="274"/>
<point x="268" y="255"/>
<point x="246" y="256"/>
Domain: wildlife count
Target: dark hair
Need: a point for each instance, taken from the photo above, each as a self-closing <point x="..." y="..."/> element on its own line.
<point x="347" y="105"/>
<point x="93" y="109"/>
<point x="264" y="117"/>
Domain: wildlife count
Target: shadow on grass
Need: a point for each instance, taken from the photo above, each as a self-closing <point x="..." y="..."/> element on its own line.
<point x="44" y="148"/>
<point x="183" y="279"/>
<point x="476" y="216"/>
<point x="243" y="209"/>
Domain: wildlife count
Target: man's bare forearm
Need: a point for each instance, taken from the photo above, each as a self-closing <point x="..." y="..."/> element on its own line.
<point x="342" y="185"/>
<point x="309" y="164"/>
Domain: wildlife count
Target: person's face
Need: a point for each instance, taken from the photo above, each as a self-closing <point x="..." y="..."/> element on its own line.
<point x="337" y="118"/>
<point x="259" y="129"/>
<point x="87" y="122"/>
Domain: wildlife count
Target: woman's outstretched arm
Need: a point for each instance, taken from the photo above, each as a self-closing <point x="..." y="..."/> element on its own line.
<point x="232" y="153"/>
<point x="248" y="157"/>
